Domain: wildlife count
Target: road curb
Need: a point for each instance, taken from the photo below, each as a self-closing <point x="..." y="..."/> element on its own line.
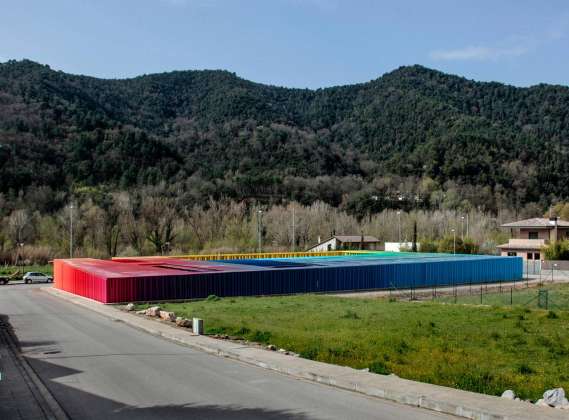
<point x="433" y="397"/>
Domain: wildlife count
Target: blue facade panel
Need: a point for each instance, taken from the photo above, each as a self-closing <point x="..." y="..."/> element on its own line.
<point x="331" y="274"/>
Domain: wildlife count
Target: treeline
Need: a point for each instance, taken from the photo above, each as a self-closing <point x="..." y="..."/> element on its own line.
<point x="157" y="220"/>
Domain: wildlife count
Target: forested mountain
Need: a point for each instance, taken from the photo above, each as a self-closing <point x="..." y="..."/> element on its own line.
<point x="413" y="137"/>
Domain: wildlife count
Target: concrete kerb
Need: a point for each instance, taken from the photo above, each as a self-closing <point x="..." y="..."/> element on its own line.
<point x="433" y="397"/>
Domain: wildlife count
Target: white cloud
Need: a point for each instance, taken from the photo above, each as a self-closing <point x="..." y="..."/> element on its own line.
<point x="479" y="53"/>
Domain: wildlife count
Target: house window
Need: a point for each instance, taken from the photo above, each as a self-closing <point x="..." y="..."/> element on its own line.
<point x="536" y="256"/>
<point x="533" y="235"/>
<point x="512" y="254"/>
<point x="530" y="256"/>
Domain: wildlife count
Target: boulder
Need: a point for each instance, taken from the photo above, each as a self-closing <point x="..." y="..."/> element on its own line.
<point x="143" y="312"/>
<point x="153" y="311"/>
<point x="272" y="347"/>
<point x="509" y="394"/>
<point x="168" y="316"/>
<point x="183" y="322"/>
<point x="129" y="307"/>
<point x="555" y="397"/>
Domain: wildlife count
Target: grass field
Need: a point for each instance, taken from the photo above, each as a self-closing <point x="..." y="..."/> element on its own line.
<point x="6" y="270"/>
<point x="557" y="297"/>
<point x="481" y="349"/>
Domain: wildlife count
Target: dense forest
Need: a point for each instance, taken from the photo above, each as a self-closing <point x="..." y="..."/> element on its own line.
<point x="414" y="139"/>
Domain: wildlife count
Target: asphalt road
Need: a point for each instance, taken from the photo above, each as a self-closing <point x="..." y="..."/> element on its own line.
<point x="100" y="369"/>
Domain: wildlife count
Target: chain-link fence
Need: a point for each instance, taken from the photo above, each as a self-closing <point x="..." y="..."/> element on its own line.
<point x="544" y="292"/>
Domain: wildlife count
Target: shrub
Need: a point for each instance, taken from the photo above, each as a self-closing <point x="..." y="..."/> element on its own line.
<point x="556" y="251"/>
<point x="525" y="369"/>
<point x="552" y="315"/>
<point x="261" y="336"/>
<point x="379" y="367"/>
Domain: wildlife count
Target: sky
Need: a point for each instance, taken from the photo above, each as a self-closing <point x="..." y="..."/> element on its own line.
<point x="294" y="43"/>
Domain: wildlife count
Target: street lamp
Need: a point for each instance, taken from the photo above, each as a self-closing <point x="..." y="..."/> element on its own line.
<point x="462" y="228"/>
<point x="453" y="241"/>
<point x="293" y="229"/>
<point x="399" y="224"/>
<point x="71" y="231"/>
<point x="20" y="259"/>
<point x="259" y="228"/>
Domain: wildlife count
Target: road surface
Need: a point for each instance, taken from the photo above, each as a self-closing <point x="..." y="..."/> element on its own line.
<point x="97" y="368"/>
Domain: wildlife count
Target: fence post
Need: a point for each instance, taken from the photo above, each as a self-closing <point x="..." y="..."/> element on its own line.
<point x="511" y="297"/>
<point x="481" y="294"/>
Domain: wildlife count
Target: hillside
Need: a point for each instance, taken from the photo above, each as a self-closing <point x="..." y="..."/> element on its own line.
<point x="414" y="131"/>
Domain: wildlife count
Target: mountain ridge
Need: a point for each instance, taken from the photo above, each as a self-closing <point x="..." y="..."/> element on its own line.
<point x="492" y="142"/>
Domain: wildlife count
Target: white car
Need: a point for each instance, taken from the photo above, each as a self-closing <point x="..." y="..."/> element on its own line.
<point x="31" y="277"/>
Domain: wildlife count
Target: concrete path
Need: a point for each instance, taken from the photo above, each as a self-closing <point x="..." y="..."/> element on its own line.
<point x="437" y="398"/>
<point x="98" y="367"/>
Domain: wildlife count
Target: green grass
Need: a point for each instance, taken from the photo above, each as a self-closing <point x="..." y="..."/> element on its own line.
<point x="558" y="297"/>
<point x="481" y="349"/>
<point x="6" y="270"/>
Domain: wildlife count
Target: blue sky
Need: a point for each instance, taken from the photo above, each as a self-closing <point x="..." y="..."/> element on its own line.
<point x="296" y="43"/>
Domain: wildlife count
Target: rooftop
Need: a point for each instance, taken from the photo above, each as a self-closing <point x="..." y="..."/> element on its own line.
<point x="537" y="222"/>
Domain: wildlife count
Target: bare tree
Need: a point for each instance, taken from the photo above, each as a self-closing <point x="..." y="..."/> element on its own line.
<point x="158" y="218"/>
<point x="19" y="226"/>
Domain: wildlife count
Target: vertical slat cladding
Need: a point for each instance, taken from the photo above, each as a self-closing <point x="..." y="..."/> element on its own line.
<point x="336" y="276"/>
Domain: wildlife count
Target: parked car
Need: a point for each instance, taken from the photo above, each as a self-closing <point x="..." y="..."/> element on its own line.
<point x="4" y="280"/>
<point x="32" y="277"/>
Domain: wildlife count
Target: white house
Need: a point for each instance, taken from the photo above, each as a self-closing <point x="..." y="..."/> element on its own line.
<point x="400" y="246"/>
<point x="339" y="242"/>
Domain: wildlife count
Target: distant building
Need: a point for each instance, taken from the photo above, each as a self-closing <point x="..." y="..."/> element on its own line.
<point x="338" y="242"/>
<point x="531" y="235"/>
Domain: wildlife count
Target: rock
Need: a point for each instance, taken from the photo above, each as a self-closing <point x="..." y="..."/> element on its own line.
<point x="183" y="322"/>
<point x="541" y="403"/>
<point x="143" y="312"/>
<point x="272" y="347"/>
<point x="153" y="311"/>
<point x="129" y="307"/>
<point x="365" y="370"/>
<point x="282" y="351"/>
<point x="554" y="397"/>
<point x="168" y="316"/>
<point x="509" y="394"/>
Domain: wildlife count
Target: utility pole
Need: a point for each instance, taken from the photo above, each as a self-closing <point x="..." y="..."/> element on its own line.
<point x="399" y="224"/>
<point x="260" y="229"/>
<point x="71" y="231"/>
<point x="293" y="230"/>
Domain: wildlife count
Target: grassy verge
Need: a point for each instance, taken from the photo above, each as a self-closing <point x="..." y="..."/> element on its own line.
<point x="481" y="349"/>
<point x="557" y="297"/>
<point x="6" y="270"/>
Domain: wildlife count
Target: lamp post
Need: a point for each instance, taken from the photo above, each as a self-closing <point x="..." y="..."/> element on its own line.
<point x="462" y="228"/>
<point x="259" y="229"/>
<point x="453" y="241"/>
<point x="20" y="259"/>
<point x="399" y="225"/>
<point x="293" y="230"/>
<point x="71" y="231"/>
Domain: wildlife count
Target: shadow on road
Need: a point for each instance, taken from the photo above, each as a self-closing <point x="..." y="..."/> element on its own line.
<point x="79" y="404"/>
